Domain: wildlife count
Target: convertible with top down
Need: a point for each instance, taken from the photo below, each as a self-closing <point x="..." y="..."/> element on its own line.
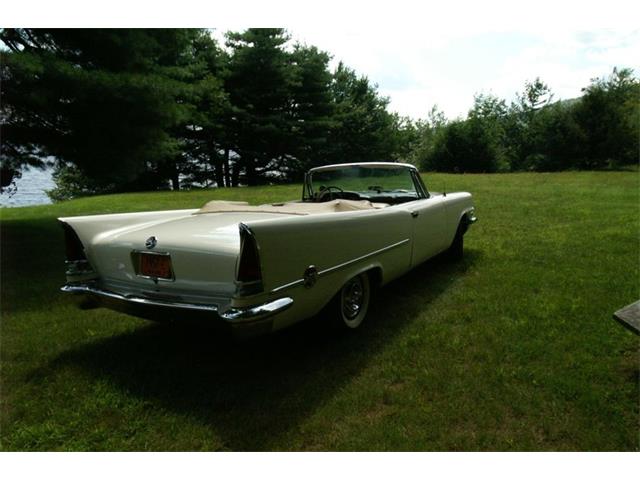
<point x="260" y="268"/>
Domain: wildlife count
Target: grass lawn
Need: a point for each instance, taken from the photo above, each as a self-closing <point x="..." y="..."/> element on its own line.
<point x="513" y="348"/>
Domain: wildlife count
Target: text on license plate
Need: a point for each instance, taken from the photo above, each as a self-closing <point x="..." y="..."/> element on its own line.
<point x="156" y="266"/>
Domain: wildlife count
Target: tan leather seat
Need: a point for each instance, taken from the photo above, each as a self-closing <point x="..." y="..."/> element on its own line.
<point x="292" y="208"/>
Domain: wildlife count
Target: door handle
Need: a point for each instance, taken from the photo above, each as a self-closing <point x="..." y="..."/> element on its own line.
<point x="415" y="214"/>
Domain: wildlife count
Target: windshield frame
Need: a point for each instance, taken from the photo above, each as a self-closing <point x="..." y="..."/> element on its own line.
<point x="419" y="186"/>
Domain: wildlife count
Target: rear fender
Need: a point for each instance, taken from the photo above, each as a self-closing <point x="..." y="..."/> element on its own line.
<point x="333" y="242"/>
<point x="309" y="258"/>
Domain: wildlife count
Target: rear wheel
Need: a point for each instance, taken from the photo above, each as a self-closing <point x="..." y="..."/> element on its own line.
<point x="349" y="307"/>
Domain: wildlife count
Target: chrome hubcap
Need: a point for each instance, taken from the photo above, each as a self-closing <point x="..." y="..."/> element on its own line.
<point x="352" y="297"/>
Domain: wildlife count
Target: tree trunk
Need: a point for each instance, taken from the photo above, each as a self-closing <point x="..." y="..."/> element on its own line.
<point x="219" y="173"/>
<point x="250" y="170"/>
<point x="235" y="174"/>
<point x="216" y="163"/>
<point x="227" y="177"/>
<point x="175" y="177"/>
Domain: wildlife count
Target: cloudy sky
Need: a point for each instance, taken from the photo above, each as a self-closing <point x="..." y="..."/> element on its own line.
<point x="418" y="69"/>
<point x="416" y="73"/>
<point x="420" y="53"/>
<point x="423" y="53"/>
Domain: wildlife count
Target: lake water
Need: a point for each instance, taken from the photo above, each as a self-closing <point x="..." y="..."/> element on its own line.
<point x="31" y="189"/>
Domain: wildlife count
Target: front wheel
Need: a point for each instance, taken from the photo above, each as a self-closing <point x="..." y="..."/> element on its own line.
<point x="349" y="307"/>
<point x="456" y="250"/>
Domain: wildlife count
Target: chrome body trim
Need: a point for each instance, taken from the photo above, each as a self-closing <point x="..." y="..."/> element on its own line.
<point x="245" y="229"/>
<point x="92" y="290"/>
<point x="337" y="166"/>
<point x="469" y="216"/>
<point x="421" y="190"/>
<point x="363" y="257"/>
<point x="341" y="265"/>
<point x="288" y="285"/>
<point x="250" y="314"/>
<point x="232" y="315"/>
<point x="151" y="242"/>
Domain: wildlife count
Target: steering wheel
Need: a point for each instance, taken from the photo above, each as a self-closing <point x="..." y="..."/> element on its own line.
<point x="328" y="192"/>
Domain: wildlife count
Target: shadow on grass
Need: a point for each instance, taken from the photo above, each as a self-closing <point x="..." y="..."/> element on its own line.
<point x="32" y="263"/>
<point x="252" y="394"/>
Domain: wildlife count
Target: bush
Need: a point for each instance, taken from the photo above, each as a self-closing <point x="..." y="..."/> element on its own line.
<point x="598" y="130"/>
<point x="70" y="183"/>
<point x="463" y="146"/>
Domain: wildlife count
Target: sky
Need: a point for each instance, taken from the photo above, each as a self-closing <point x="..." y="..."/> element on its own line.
<point x="419" y="69"/>
<point x="420" y="53"/>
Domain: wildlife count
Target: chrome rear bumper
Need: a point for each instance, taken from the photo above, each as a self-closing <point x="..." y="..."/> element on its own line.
<point x="247" y="321"/>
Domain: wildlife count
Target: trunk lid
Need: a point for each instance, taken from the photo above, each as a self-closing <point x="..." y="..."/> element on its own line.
<point x="203" y="250"/>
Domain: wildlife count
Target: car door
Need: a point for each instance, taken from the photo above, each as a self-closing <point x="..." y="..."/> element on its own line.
<point x="429" y="219"/>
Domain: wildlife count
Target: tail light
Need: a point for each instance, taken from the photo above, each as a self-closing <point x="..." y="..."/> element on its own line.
<point x="77" y="263"/>
<point x="249" y="274"/>
<point x="73" y="246"/>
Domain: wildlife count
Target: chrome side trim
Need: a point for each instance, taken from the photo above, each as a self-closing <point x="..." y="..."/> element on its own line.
<point x="288" y="285"/>
<point x="233" y="315"/>
<point x="341" y="265"/>
<point x="363" y="257"/>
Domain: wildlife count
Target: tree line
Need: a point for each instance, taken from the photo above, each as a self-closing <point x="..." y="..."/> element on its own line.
<point x="600" y="129"/>
<point x="142" y="109"/>
<point x="117" y="110"/>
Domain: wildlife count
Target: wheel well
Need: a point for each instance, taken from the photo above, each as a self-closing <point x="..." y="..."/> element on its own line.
<point x="375" y="276"/>
<point x="463" y="225"/>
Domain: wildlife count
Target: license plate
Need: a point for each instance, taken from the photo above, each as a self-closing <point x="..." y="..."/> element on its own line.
<point x="155" y="266"/>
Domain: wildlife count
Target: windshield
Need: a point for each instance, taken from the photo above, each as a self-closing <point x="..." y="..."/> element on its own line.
<point x="381" y="184"/>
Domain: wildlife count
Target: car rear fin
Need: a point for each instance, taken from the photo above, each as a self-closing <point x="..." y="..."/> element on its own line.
<point x="73" y="246"/>
<point x="249" y="273"/>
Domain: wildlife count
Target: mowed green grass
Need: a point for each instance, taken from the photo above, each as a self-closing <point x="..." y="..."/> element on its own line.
<point x="513" y="348"/>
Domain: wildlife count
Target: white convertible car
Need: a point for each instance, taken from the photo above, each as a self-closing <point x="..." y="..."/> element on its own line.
<point x="261" y="268"/>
